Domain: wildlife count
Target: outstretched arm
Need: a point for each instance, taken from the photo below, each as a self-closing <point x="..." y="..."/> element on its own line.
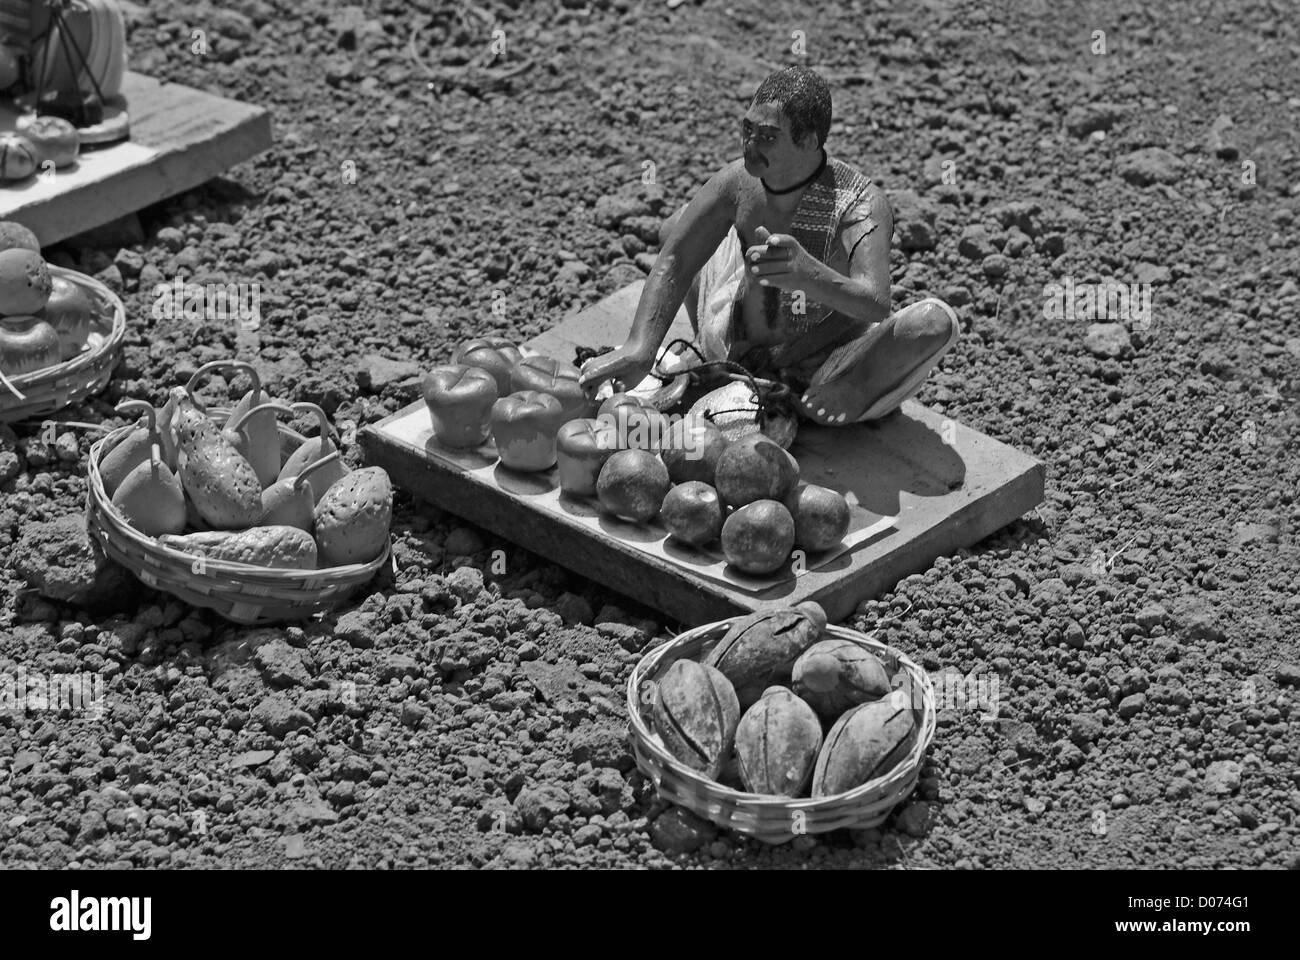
<point x="701" y="227"/>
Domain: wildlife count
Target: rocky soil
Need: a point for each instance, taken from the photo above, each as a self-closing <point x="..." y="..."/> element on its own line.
<point x="468" y="709"/>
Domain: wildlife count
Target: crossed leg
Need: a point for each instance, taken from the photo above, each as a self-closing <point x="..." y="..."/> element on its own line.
<point x="870" y="377"/>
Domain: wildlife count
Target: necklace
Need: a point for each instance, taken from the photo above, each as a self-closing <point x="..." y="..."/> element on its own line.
<point x="802" y="183"/>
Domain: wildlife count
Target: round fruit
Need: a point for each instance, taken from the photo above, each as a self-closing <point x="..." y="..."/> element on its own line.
<point x="758" y="537"/>
<point x="692" y="449"/>
<point x="25" y="283"/>
<point x="70" y="312"/>
<point x="755" y="467"/>
<point x="821" y="517"/>
<point x="54" y="138"/>
<point x="633" y="484"/>
<point x="14" y="234"/>
<point x="692" y="512"/>
<point x="18" y="157"/>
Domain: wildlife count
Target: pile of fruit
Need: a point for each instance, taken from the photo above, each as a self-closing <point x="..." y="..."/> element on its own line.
<point x="705" y="485"/>
<point x="40" y="143"/>
<point x="226" y="492"/>
<point x="774" y="709"/>
<point x="44" y="320"/>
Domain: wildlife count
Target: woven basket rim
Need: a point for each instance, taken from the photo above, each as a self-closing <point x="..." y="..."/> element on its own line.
<point x="873" y="790"/>
<point x="177" y="559"/>
<point x="82" y="361"/>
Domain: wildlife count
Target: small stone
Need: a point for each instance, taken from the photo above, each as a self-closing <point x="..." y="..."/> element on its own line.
<point x="466" y="583"/>
<point x="464" y="542"/>
<point x="1109" y="341"/>
<point x="376" y="372"/>
<point x="1288" y="675"/>
<point x="573" y="609"/>
<point x="1132" y="705"/>
<point x="1150" y="165"/>
<point x="1152" y="615"/>
<point x="995" y="266"/>
<point x="1223" y="776"/>
<point x="625" y="635"/>
<point x="537" y="806"/>
<point x="396" y="666"/>
<point x="1092" y="117"/>
<point x="279" y="717"/>
<point x="252" y="758"/>
<point x="281" y="665"/>
<point x="414" y="714"/>
<point x="1084" y="728"/>
<point x="915" y="819"/>
<point x="1248" y="533"/>
<point x="356" y="628"/>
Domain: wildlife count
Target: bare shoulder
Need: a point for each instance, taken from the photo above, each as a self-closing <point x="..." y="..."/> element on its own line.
<point x="726" y="184"/>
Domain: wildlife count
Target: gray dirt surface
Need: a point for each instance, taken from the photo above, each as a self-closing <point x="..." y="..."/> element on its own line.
<point x="469" y="711"/>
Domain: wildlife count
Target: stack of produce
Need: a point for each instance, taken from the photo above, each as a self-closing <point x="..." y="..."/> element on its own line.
<point x="774" y="709"/>
<point x="44" y="319"/>
<point x="40" y="143"/>
<point x="223" y="489"/>
<point x="703" y="485"/>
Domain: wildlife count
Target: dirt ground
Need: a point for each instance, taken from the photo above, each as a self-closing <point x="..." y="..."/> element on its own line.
<point x="1141" y="624"/>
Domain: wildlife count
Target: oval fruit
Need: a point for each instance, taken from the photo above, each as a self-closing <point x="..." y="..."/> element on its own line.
<point x="18" y="157"/>
<point x="821" y="517"/>
<point x="633" y="484"/>
<point x="692" y="512"/>
<point x="758" y="537"/>
<point x="54" y="138"/>
<point x="25" y="283"/>
<point x="692" y="449"/>
<point x="777" y="742"/>
<point x="353" y="517"/>
<point x="759" y="650"/>
<point x="836" y="675"/>
<point x="14" y="234"/>
<point x="695" y="713"/>
<point x="753" y="468"/>
<point x="69" y="312"/>
<point x="27" y="344"/>
<point x="865" y="743"/>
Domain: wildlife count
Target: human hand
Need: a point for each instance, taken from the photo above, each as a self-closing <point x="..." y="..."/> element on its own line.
<point x="629" y="364"/>
<point x="779" y="260"/>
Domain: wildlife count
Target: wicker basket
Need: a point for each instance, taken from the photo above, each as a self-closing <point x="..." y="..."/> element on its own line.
<point x="767" y="818"/>
<point x="53" y="388"/>
<point x="240" y="592"/>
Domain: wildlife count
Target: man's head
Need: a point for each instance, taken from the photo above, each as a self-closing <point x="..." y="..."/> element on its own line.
<point x="786" y="125"/>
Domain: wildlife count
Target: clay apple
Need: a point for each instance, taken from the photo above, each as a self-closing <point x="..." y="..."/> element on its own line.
<point x="639" y="425"/>
<point x="559" y="379"/>
<point x="692" y="512"/>
<point x="582" y="447"/>
<point x="758" y="538"/>
<point x="692" y="449"/>
<point x="70" y="312"/>
<point x="633" y="484"/>
<point x="821" y="516"/>
<point x="524" y="426"/>
<point x="496" y="355"/>
<point x="460" y="399"/>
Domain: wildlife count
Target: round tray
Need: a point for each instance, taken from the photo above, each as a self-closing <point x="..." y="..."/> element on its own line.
<point x="768" y="818"/>
<point x="240" y="592"/>
<point x="52" y="388"/>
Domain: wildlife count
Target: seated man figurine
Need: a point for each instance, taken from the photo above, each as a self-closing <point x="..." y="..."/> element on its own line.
<point x="783" y="261"/>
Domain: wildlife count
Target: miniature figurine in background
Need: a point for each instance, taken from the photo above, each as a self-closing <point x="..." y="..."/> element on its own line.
<point x="782" y="259"/>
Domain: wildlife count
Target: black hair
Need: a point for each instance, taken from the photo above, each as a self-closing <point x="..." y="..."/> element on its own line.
<point x="804" y="98"/>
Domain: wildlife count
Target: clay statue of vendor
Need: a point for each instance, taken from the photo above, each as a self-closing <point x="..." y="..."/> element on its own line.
<point x="782" y="259"/>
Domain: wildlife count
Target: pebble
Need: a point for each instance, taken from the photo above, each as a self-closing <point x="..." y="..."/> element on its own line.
<point x="679" y="831"/>
<point x="1132" y="705"/>
<point x="1223" y="777"/>
<point x="1108" y="341"/>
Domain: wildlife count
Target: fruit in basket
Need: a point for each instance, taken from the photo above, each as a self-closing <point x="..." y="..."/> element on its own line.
<point x="777" y="742"/>
<point x="25" y="283"/>
<point x="313" y="449"/>
<point x="692" y="512"/>
<point x="692" y="449"/>
<point x="695" y="713"/>
<point x="757" y="538"/>
<point x="632" y="485"/>
<point x="14" y="234"/>
<point x="151" y="498"/>
<point x="54" y="138"/>
<point x="133" y="449"/>
<point x="524" y="426"/>
<point x="581" y="448"/>
<point x="559" y="379"/>
<point x="27" y="344"/>
<point x="460" y="398"/>
<point x="278" y="547"/>
<point x="496" y="355"/>
<point x="352" y="518"/>
<point x="221" y="483"/>
<point x="755" y="468"/>
<point x="865" y="743"/>
<point x="835" y="675"/>
<point x="70" y="312"/>
<point x="821" y="517"/>
<point x="759" y="650"/>
<point x="18" y="157"/>
<point x="242" y="432"/>
<point x="291" y="502"/>
<point x="262" y="448"/>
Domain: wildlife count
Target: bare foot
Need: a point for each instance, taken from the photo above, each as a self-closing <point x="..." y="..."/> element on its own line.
<point x="858" y="374"/>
